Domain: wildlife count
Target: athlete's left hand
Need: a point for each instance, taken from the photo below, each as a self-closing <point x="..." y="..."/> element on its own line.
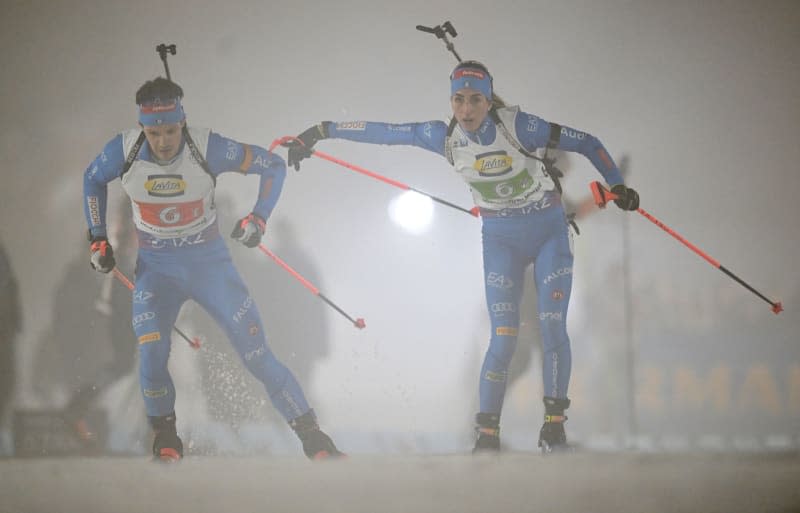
<point x="302" y="146"/>
<point x="249" y="230"/>
<point x="627" y="198"/>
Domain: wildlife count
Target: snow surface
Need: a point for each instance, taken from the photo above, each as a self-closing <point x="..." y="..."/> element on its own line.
<point x="514" y="482"/>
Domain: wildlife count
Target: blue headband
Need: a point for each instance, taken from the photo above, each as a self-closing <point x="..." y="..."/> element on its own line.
<point x="471" y="78"/>
<point x="161" y="112"/>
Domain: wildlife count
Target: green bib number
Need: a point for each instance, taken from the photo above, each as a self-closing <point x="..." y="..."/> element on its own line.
<point x="511" y="188"/>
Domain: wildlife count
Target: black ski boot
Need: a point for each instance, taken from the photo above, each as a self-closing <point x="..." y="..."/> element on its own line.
<point x="316" y="444"/>
<point x="487" y="427"/>
<point x="76" y="417"/>
<point x="167" y="445"/>
<point x="552" y="437"/>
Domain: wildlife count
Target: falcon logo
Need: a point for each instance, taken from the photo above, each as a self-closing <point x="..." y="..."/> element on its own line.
<point x="165" y="186"/>
<point x="493" y="164"/>
<point x="243" y="309"/>
<point x="564" y="271"/>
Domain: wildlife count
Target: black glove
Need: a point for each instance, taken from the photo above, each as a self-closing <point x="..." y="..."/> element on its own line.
<point x="102" y="258"/>
<point x="301" y="147"/>
<point x="627" y="199"/>
<point x="249" y="230"/>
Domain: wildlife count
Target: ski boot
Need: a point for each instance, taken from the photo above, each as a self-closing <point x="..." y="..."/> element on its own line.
<point x="488" y="430"/>
<point x="316" y="444"/>
<point x="552" y="437"/>
<point x="76" y="417"/>
<point x="167" y="445"/>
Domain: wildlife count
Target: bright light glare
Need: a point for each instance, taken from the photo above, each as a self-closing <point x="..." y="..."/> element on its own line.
<point x="412" y="211"/>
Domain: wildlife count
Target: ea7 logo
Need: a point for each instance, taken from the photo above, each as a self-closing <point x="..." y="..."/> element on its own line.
<point x="141" y="297"/>
<point x="232" y="151"/>
<point x="533" y="123"/>
<point x="499" y="281"/>
<point x="178" y="242"/>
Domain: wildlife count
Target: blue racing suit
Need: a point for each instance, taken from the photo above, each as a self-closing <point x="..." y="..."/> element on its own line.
<point x="192" y="260"/>
<point x="523" y="223"/>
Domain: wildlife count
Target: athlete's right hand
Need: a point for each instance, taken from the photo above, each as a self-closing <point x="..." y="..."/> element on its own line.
<point x="627" y="198"/>
<point x="303" y="145"/>
<point x="249" y="230"/>
<point x="102" y="258"/>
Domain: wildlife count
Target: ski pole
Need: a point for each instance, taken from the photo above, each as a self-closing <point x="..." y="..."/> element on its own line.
<point x="603" y="196"/>
<point x="162" y="50"/>
<point x="358" y="323"/>
<point x="474" y="211"/>
<point x="194" y="342"/>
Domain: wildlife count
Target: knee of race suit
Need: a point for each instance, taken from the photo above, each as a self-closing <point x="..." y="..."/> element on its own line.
<point x="157" y="387"/>
<point x="154" y="349"/>
<point x="501" y="349"/>
<point x="262" y="364"/>
<point x="554" y="331"/>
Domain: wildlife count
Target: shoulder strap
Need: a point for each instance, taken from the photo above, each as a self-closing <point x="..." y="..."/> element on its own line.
<point x="549" y="164"/>
<point x="132" y="155"/>
<point x="448" y="150"/>
<point x="189" y="142"/>
<point x="555" y="135"/>
<point x="197" y="155"/>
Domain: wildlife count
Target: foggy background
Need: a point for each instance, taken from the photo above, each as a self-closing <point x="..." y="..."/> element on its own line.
<point x="702" y="97"/>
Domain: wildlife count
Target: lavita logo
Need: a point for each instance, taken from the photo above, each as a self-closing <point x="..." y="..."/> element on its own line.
<point x="165" y="186"/>
<point x="494" y="163"/>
